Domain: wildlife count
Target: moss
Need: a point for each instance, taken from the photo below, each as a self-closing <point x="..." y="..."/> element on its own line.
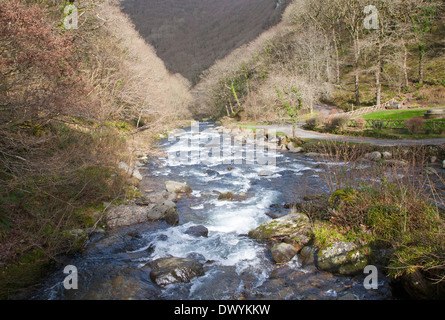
<point x="346" y="195"/>
<point x="16" y="279"/>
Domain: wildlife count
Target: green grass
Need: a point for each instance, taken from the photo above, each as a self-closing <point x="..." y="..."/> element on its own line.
<point x="395" y="114"/>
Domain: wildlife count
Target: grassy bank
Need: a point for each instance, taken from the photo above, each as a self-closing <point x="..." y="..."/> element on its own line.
<point x="395" y="213"/>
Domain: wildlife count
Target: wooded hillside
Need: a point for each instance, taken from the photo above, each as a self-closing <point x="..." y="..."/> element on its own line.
<point x="190" y="35"/>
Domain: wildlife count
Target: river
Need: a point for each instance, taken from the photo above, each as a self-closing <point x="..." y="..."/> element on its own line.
<point x="114" y="266"/>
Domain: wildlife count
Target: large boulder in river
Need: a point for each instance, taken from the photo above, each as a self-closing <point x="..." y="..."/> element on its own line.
<point x="294" y="227"/>
<point x="197" y="231"/>
<point x="164" y="211"/>
<point x="342" y="258"/>
<point x="169" y="270"/>
<point x="125" y="215"/>
<point x="177" y="187"/>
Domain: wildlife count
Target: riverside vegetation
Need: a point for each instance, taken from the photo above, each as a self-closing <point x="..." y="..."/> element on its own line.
<point x="78" y="107"/>
<point x="71" y="104"/>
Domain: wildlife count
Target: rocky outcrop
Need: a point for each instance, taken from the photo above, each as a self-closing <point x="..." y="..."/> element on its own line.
<point x="125" y="215"/>
<point x="342" y="258"/>
<point x="170" y="270"/>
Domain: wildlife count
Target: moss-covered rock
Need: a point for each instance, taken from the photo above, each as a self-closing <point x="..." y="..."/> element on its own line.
<point x="342" y="258"/>
<point x="291" y="225"/>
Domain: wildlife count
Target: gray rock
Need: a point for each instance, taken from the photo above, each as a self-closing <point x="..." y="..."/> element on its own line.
<point x="125" y="215"/>
<point x="264" y="173"/>
<point x="342" y="258"/>
<point x="386" y="155"/>
<point x="290" y="225"/>
<point x="373" y="156"/>
<point x="283" y="252"/>
<point x="165" y="211"/>
<point x="165" y="271"/>
<point x="297" y="150"/>
<point x="133" y="171"/>
<point x="155" y="198"/>
<point x="197" y="231"/>
<point x="177" y="187"/>
<point x="136" y="174"/>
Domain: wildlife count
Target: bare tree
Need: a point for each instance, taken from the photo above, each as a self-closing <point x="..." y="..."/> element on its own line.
<point x="351" y="12"/>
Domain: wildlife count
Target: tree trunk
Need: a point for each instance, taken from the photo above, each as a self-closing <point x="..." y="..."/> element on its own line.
<point x="337" y="63"/>
<point x="405" y="67"/>
<point x="421" y="60"/>
<point x="377" y="74"/>
<point x="356" y="58"/>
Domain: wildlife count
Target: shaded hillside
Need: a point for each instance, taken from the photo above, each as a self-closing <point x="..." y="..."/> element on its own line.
<point x="313" y="56"/>
<point x="190" y="35"/>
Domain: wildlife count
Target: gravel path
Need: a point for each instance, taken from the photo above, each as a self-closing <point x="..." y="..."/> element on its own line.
<point x="305" y="134"/>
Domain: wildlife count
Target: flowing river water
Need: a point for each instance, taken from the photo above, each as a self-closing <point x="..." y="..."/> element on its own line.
<point x="115" y="265"/>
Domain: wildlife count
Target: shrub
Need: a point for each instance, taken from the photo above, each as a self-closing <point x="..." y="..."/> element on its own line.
<point x="337" y="123"/>
<point x="316" y="121"/>
<point x="414" y="125"/>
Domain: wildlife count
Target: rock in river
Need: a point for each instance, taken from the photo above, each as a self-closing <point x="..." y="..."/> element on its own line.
<point x="178" y="187"/>
<point x="169" y="270"/>
<point x="290" y="226"/>
<point x="125" y="215"/>
<point x="283" y="252"/>
<point x="197" y="231"/>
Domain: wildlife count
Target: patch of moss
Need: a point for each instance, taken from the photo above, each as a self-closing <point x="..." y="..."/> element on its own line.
<point x="16" y="279"/>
